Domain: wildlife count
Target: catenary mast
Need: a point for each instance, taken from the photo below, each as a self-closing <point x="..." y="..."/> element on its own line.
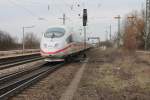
<point x="147" y="39"/>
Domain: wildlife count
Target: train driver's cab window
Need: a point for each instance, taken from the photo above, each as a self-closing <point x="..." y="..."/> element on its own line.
<point x="54" y="33"/>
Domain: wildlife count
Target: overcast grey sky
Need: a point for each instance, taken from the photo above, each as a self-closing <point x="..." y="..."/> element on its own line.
<point x="18" y="13"/>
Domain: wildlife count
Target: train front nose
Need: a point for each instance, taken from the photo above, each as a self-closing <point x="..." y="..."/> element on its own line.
<point x="52" y="42"/>
<point x="52" y="49"/>
<point x="50" y="52"/>
<point x="49" y="48"/>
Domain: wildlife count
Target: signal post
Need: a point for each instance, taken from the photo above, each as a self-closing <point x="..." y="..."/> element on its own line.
<point x="84" y="25"/>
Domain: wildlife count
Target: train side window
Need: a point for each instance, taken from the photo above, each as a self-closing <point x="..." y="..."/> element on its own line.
<point x="69" y="39"/>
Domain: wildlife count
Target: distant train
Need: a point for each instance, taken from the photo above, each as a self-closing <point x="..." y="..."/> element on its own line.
<point x="60" y="42"/>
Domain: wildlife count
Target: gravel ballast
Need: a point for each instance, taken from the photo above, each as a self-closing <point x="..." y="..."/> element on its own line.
<point x="51" y="87"/>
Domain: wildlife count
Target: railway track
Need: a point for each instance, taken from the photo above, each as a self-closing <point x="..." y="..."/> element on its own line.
<point x="15" y="61"/>
<point x="22" y="80"/>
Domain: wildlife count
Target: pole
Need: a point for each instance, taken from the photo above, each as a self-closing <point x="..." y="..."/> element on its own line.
<point x="119" y="34"/>
<point x="84" y="37"/>
<point x="23" y="44"/>
<point x="119" y="30"/>
<point x="99" y="42"/>
<point x="147" y="37"/>
<point x="64" y="19"/>
<point x="110" y="32"/>
<point x="106" y="35"/>
<point x="23" y="40"/>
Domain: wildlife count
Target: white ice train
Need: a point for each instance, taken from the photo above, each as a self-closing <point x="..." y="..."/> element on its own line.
<point x="60" y="42"/>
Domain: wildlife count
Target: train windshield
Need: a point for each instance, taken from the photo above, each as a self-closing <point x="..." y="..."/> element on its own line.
<point x="54" y="33"/>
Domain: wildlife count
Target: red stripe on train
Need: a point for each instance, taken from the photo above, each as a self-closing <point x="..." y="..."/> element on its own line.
<point x="58" y="51"/>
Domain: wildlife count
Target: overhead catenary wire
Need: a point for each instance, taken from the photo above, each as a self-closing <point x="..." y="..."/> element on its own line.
<point x="76" y="4"/>
<point x="33" y="3"/>
<point x="25" y="9"/>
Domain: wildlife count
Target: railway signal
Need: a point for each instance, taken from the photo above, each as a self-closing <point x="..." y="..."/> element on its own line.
<point x="84" y="17"/>
<point x="84" y="25"/>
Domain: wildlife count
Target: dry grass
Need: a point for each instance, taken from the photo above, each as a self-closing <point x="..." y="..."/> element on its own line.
<point x="125" y="78"/>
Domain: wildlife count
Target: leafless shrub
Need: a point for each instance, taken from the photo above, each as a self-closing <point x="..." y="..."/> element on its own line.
<point x="31" y="41"/>
<point x="7" y="42"/>
<point x="133" y="30"/>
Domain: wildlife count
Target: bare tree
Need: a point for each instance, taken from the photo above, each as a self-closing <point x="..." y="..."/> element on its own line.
<point x="134" y="33"/>
<point x="31" y="41"/>
<point x="6" y="41"/>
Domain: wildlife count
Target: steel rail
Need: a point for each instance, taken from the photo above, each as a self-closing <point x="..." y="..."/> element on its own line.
<point x="18" y="84"/>
<point x="8" y="77"/>
<point x="5" y="61"/>
<point x="19" y="63"/>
